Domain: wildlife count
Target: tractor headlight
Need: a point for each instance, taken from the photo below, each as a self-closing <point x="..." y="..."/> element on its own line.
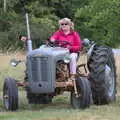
<point x="14" y="62"/>
<point x="67" y="59"/>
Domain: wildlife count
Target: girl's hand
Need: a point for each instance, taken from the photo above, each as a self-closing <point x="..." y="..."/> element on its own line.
<point x="68" y="46"/>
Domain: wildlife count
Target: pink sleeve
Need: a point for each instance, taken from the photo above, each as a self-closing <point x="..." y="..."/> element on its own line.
<point x="77" y="43"/>
<point x="55" y="36"/>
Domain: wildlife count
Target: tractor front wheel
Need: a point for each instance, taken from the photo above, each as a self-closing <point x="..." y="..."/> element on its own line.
<point x="83" y="100"/>
<point x="10" y="94"/>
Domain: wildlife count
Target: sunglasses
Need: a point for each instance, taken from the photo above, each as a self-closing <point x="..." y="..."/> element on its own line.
<point x="64" y="24"/>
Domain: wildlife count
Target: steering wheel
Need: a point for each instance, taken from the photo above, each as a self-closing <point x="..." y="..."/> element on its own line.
<point x="59" y="43"/>
<point x="62" y="43"/>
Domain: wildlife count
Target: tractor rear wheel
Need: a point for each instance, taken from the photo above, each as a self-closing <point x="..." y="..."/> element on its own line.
<point x="38" y="98"/>
<point x="10" y="94"/>
<point x="83" y="100"/>
<point x="101" y="65"/>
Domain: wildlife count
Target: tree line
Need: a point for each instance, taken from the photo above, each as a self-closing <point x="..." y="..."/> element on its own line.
<point x="95" y="20"/>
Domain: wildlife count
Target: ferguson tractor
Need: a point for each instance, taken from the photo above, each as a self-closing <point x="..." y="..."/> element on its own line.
<point x="47" y="75"/>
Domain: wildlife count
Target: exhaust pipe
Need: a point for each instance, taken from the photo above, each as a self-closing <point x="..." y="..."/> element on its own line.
<point x="29" y="41"/>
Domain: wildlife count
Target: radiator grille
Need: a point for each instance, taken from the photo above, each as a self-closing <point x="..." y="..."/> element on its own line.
<point x="39" y="66"/>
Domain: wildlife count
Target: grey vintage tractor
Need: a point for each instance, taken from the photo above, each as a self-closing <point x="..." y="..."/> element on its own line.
<point x="47" y="75"/>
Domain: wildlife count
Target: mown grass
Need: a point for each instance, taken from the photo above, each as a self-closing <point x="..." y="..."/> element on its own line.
<point x="60" y="109"/>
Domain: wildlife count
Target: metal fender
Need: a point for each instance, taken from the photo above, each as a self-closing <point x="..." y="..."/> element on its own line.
<point x="90" y="51"/>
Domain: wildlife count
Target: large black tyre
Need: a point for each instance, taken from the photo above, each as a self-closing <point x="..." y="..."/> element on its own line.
<point x="84" y="93"/>
<point x="10" y="94"/>
<point x="101" y="65"/>
<point x="38" y="98"/>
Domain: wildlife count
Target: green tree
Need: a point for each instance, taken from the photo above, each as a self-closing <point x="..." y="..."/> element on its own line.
<point x="96" y="20"/>
<point x="42" y="23"/>
<point x="100" y="21"/>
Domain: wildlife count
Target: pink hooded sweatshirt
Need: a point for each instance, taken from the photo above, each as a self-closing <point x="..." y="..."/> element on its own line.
<point x="73" y="37"/>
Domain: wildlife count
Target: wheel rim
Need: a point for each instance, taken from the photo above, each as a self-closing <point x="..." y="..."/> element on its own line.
<point x="109" y="79"/>
<point x="6" y="98"/>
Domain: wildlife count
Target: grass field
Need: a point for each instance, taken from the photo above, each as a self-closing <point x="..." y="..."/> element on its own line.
<point x="60" y="109"/>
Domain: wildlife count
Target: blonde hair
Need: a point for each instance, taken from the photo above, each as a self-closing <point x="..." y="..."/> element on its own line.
<point x="68" y="21"/>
